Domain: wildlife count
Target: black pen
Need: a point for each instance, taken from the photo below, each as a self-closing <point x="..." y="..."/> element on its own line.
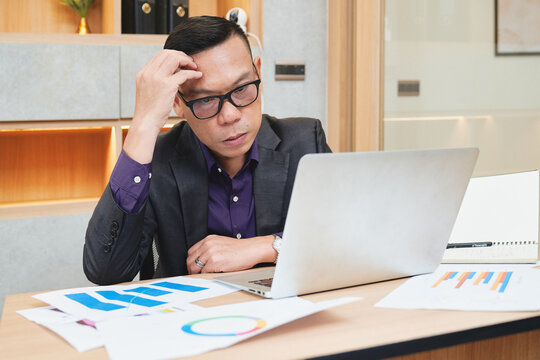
<point x="469" y="245"/>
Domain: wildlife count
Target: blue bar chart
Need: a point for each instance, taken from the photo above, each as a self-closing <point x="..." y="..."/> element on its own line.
<point x="180" y="287"/>
<point x="93" y="303"/>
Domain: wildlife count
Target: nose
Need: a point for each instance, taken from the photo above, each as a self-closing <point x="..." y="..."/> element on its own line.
<point x="229" y="114"/>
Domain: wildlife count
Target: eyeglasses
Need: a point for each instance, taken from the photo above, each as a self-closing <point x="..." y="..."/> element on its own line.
<point x="210" y="106"/>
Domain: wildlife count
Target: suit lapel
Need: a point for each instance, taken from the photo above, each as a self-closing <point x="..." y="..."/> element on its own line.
<point x="269" y="180"/>
<point x="193" y="188"/>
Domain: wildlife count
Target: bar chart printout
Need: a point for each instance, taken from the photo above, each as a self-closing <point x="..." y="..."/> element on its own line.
<point x="105" y="302"/>
<point x="473" y="287"/>
<point x="502" y="279"/>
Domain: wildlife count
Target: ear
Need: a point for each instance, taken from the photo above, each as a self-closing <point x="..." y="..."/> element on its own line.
<point x="177" y="106"/>
<point x="257" y="62"/>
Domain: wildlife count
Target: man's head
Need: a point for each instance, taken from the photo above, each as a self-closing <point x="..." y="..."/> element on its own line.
<point x="222" y="53"/>
<point x="200" y="33"/>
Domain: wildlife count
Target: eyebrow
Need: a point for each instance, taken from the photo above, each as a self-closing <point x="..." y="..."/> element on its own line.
<point x="240" y="80"/>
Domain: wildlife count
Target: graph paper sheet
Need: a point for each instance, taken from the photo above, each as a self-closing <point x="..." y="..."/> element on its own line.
<point x="470" y="287"/>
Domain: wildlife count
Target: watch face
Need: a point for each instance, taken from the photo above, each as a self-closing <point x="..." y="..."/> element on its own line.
<point x="277" y="244"/>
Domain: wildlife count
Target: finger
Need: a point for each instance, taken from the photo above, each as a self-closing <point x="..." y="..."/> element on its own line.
<point x="200" y="264"/>
<point x="174" y="61"/>
<point x="193" y="268"/>
<point x="212" y="266"/>
<point x="208" y="268"/>
<point x="184" y="75"/>
<point x="156" y="60"/>
<point x="191" y="259"/>
<point x="190" y="66"/>
<point x="163" y="55"/>
<point x="195" y="248"/>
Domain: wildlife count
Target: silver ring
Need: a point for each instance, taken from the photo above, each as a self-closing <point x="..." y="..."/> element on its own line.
<point x="199" y="263"/>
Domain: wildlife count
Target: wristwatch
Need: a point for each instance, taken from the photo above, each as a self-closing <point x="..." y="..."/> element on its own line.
<point x="277" y="245"/>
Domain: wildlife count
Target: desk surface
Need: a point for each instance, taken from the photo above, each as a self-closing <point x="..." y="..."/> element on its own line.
<point x="357" y="327"/>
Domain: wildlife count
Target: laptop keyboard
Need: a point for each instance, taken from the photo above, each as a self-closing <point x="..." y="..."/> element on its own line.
<point x="263" y="282"/>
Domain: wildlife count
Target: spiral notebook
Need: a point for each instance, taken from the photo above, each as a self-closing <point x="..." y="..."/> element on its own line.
<point x="497" y="221"/>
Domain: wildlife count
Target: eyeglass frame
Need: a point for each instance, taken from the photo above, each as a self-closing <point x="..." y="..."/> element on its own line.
<point x="224" y="97"/>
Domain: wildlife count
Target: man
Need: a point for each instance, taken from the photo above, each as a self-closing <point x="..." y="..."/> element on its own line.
<point x="211" y="193"/>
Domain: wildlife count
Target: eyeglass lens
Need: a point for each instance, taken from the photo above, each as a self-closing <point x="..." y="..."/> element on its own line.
<point x="210" y="106"/>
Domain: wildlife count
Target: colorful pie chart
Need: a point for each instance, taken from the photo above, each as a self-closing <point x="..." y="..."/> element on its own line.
<point x="231" y="325"/>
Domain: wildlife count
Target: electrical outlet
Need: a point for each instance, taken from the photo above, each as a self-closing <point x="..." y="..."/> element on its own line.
<point x="290" y="70"/>
<point x="409" y="88"/>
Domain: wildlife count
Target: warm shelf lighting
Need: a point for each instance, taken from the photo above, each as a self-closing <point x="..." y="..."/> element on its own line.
<point x="68" y="128"/>
<point x="166" y="126"/>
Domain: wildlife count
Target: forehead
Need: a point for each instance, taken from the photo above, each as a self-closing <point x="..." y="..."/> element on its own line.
<point x="221" y="65"/>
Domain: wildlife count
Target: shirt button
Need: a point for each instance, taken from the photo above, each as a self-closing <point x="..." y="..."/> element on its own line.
<point x="238" y="236"/>
<point x="219" y="169"/>
<point x="235" y="198"/>
<point x="137" y="179"/>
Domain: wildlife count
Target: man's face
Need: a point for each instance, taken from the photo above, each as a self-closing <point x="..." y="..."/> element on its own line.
<point x="231" y="132"/>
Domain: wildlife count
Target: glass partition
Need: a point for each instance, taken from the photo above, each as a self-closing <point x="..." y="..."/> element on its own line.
<point x="446" y="85"/>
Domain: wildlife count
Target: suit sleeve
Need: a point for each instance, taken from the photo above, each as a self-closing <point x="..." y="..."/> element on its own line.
<point x="117" y="242"/>
<point x="322" y="146"/>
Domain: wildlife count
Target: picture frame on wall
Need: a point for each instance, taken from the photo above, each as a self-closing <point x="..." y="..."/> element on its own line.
<point x="517" y="27"/>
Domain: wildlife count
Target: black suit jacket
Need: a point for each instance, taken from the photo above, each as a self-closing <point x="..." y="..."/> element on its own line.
<point x="175" y="215"/>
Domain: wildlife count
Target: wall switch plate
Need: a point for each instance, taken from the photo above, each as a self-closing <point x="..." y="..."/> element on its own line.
<point x="290" y="70"/>
<point x="409" y="88"/>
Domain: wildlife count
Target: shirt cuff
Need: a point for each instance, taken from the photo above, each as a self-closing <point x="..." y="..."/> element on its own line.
<point x="130" y="183"/>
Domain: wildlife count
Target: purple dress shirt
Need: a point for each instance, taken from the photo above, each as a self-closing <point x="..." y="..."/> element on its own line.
<point x="231" y="206"/>
<point x="130" y="183"/>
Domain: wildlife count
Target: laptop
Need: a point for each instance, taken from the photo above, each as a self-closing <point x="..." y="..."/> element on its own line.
<point x="357" y="218"/>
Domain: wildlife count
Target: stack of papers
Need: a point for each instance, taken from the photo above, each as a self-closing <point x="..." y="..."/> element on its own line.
<point x="157" y="320"/>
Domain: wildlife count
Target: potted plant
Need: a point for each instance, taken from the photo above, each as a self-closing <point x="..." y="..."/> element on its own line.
<point x="81" y="7"/>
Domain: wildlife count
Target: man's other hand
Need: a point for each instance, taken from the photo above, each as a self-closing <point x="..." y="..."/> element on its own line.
<point x="225" y="254"/>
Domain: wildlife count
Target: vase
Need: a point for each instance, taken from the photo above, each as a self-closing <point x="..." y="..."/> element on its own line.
<point x="83" y="27"/>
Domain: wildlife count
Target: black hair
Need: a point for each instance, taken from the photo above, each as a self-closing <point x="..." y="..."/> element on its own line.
<point x="199" y="33"/>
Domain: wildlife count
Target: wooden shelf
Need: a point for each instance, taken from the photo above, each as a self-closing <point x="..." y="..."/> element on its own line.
<point x="54" y="164"/>
<point x="104" y="17"/>
<point x="47" y="17"/>
<point x="47" y="208"/>
<point x="170" y="123"/>
<point x="97" y="39"/>
<point x="58" y="167"/>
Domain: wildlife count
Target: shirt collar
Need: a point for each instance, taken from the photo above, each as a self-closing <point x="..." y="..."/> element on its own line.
<point x="211" y="161"/>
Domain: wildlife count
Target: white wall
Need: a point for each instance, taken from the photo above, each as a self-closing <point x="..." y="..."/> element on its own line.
<point x="42" y="253"/>
<point x="468" y="96"/>
<point x="296" y="31"/>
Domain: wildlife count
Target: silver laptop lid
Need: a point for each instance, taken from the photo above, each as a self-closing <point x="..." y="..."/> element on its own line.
<point x="356" y="218"/>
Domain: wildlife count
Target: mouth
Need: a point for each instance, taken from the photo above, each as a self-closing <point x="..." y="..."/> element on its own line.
<point x="235" y="139"/>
